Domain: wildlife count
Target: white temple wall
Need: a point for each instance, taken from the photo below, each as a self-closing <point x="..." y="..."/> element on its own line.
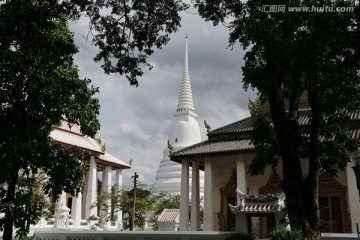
<point x="221" y="176"/>
<point x="255" y="182"/>
<point x="223" y="166"/>
<point x="353" y="196"/>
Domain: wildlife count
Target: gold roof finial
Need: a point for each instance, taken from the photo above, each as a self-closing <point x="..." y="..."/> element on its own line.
<point x="171" y="148"/>
<point x="208" y="128"/>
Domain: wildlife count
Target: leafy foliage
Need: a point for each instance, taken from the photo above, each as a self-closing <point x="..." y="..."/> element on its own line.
<point x="126" y="32"/>
<point x="264" y="140"/>
<point x="160" y="202"/>
<point x="39" y="86"/>
<point x="30" y="203"/>
<point x="286" y="234"/>
<point x="142" y="206"/>
<point x="237" y="236"/>
<point x="110" y="204"/>
<point x="147" y="205"/>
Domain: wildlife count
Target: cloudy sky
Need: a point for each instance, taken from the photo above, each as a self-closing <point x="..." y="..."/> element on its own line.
<point x="135" y="121"/>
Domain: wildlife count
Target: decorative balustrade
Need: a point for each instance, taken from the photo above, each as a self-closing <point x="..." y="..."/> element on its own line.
<point x="125" y="235"/>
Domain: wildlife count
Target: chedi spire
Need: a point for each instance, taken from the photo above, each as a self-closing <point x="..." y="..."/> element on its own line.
<point x="184" y="131"/>
<point x="185" y="102"/>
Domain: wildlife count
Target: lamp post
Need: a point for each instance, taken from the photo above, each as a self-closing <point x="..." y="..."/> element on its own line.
<point x="133" y="211"/>
<point x="356" y="169"/>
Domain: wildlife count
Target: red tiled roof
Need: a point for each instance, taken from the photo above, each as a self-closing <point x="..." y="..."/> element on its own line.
<point x="72" y="137"/>
<point x="168" y="215"/>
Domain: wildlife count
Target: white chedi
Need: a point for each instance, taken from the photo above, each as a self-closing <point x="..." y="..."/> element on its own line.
<point x="184" y="131"/>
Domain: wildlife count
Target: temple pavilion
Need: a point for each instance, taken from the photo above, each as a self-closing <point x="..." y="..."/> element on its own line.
<point x="96" y="161"/>
<point x="235" y="200"/>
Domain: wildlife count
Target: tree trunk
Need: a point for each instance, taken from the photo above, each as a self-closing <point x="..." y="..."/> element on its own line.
<point x="311" y="181"/>
<point x="301" y="194"/>
<point x="9" y="199"/>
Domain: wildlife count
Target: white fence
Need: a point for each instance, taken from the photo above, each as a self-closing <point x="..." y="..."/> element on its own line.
<point x="125" y="235"/>
<point x="112" y="235"/>
<point x="339" y="236"/>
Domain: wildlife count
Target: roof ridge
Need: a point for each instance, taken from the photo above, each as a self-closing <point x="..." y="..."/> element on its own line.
<point x="216" y="129"/>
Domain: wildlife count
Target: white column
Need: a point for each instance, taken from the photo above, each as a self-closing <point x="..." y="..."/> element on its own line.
<point x="195" y="197"/>
<point x="209" y="211"/>
<point x="241" y="220"/>
<point x="118" y="185"/>
<point x="76" y="209"/>
<point x="118" y="178"/>
<point x="106" y="188"/>
<point x="106" y="180"/>
<point x="91" y="189"/>
<point x="84" y="196"/>
<point x="241" y="176"/>
<point x="353" y="196"/>
<point x="184" y="196"/>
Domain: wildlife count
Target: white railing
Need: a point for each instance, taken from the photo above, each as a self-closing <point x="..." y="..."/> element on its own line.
<point x="338" y="236"/>
<point x="156" y="235"/>
<point x="125" y="235"/>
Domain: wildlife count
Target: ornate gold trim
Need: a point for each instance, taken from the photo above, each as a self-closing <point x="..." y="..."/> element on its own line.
<point x="328" y="186"/>
<point x="229" y="190"/>
<point x="273" y="184"/>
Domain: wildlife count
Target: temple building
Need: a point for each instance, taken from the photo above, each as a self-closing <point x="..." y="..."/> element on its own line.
<point x="184" y="131"/>
<point x="73" y="212"/>
<point x="235" y="200"/>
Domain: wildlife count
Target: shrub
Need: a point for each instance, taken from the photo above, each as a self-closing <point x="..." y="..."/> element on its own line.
<point x="285" y="234"/>
<point x="237" y="236"/>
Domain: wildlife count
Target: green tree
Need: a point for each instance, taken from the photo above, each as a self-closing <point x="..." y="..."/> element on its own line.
<point x="30" y="203"/>
<point x="108" y="204"/>
<point x="126" y="32"/>
<point x="39" y="86"/>
<point x="289" y="56"/>
<point x="162" y="201"/>
<point x="141" y="206"/>
<point x="122" y="199"/>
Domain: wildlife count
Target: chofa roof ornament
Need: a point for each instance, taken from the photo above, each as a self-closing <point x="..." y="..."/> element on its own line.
<point x="259" y="203"/>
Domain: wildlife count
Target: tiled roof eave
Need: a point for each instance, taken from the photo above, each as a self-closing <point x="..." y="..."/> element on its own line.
<point x="230" y="146"/>
<point x="214" y="148"/>
<point x="177" y="158"/>
<point x="112" y="164"/>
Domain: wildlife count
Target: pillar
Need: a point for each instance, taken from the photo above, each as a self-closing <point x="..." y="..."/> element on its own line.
<point x="241" y="219"/>
<point x="209" y="212"/>
<point x="353" y="196"/>
<point x="195" y="197"/>
<point x="76" y="209"/>
<point x="106" y="188"/>
<point x="91" y="190"/>
<point x="118" y="185"/>
<point x="84" y="196"/>
<point x="184" y="196"/>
